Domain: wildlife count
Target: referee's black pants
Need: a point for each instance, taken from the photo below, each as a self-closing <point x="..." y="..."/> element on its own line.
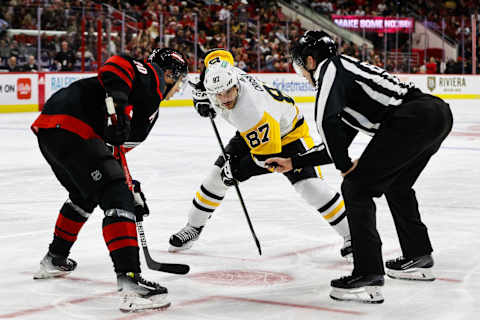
<point x="390" y="165"/>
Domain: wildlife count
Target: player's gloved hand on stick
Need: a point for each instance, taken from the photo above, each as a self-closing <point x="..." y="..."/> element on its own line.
<point x="226" y="173"/>
<point x="116" y="134"/>
<point x="202" y="103"/>
<point x="139" y="200"/>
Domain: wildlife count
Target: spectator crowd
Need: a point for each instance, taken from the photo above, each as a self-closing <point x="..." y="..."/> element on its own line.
<point x="257" y="32"/>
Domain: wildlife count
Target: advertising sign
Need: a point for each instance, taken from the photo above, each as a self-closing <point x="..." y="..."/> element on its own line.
<point x="18" y="92"/>
<point x="55" y="81"/>
<point x="27" y="92"/>
<point x="375" y="24"/>
<point x="446" y="86"/>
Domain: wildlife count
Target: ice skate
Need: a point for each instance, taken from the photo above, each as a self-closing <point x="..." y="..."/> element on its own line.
<point x="419" y="268"/>
<point x="184" y="239"/>
<point x="137" y="294"/>
<point x="346" y="251"/>
<point x="53" y="265"/>
<point x="365" y="289"/>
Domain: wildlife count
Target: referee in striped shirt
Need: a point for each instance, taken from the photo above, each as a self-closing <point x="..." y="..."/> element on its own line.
<point x="407" y="128"/>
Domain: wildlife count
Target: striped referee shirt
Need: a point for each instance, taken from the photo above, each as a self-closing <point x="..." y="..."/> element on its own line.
<point x="353" y="96"/>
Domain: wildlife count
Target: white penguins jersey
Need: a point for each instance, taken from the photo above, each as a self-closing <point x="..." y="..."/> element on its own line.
<point x="265" y="117"/>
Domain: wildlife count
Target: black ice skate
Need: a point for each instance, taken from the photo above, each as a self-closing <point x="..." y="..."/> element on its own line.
<point x="183" y="239"/>
<point x="364" y="288"/>
<point x="53" y="265"/>
<point x="418" y="268"/>
<point x="137" y="294"/>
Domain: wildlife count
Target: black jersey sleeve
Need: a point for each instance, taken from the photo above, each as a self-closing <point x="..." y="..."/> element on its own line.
<point x="117" y="76"/>
<point x="330" y="101"/>
<point x="315" y="156"/>
<point x="318" y="155"/>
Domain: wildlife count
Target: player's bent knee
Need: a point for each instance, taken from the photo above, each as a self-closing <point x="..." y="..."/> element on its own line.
<point x="116" y="195"/>
<point x="315" y="191"/>
<point x="213" y="181"/>
<point x="120" y="213"/>
<point x="220" y="162"/>
<point x="82" y="207"/>
<point x="241" y="171"/>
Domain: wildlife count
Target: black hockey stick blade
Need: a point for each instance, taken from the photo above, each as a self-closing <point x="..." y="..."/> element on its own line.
<point x="176" y="268"/>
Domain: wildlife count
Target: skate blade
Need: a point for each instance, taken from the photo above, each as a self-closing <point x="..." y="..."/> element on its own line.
<point x="414" y="274"/>
<point x="173" y="249"/>
<point x="42" y="274"/>
<point x="134" y="308"/>
<point x="369" y="294"/>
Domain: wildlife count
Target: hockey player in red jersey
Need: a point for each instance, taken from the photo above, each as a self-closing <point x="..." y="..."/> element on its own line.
<point x="74" y="137"/>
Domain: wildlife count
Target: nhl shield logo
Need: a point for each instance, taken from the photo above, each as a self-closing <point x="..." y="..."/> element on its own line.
<point x="96" y="175"/>
<point x="431" y="83"/>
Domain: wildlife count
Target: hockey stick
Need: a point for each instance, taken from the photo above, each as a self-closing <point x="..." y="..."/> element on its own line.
<point x="237" y="188"/>
<point x="175" y="268"/>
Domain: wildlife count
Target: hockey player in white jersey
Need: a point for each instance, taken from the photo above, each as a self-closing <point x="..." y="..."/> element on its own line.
<point x="268" y="123"/>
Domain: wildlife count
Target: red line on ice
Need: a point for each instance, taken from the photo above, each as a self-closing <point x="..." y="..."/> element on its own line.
<point x="281" y="255"/>
<point x="53" y="306"/>
<point x="240" y="299"/>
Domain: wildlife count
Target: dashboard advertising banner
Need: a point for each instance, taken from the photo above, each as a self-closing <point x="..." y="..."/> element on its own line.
<point x="56" y="81"/>
<point x="27" y="92"/>
<point x="18" y="92"/>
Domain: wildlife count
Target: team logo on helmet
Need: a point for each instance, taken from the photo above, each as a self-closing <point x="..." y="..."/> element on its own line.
<point x="178" y="57"/>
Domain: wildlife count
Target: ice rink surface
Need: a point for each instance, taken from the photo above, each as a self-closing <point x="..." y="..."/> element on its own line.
<point x="228" y="280"/>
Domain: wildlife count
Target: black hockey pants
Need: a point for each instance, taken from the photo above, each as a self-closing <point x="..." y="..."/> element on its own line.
<point x="92" y="176"/>
<point x="390" y="165"/>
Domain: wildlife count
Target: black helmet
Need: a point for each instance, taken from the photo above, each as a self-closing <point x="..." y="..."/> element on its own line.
<point x="317" y="44"/>
<point x="170" y="59"/>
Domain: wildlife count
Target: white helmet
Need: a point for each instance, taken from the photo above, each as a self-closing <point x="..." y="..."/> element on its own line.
<point x="219" y="77"/>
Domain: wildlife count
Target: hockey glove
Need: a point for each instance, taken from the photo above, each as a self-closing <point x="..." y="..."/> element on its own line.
<point x="202" y="103"/>
<point x="117" y="134"/>
<point x="226" y="173"/>
<point x="139" y="200"/>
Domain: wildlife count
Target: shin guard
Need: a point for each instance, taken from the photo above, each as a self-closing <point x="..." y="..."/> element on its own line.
<point x="69" y="222"/>
<point x="207" y="198"/>
<point x="326" y="201"/>
<point x="120" y="235"/>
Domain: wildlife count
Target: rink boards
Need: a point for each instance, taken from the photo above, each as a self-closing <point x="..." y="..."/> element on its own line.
<point x="27" y="92"/>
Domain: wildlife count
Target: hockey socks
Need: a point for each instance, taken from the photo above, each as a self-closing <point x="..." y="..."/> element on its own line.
<point x="120" y="235"/>
<point x="207" y="198"/>
<point x="329" y="204"/>
<point x="69" y="222"/>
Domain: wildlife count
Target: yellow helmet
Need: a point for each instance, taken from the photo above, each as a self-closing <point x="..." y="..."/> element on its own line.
<point x="220" y="54"/>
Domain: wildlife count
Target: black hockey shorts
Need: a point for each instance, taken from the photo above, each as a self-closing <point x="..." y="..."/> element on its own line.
<point x="400" y="150"/>
<point x="243" y="166"/>
<point x="84" y="167"/>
